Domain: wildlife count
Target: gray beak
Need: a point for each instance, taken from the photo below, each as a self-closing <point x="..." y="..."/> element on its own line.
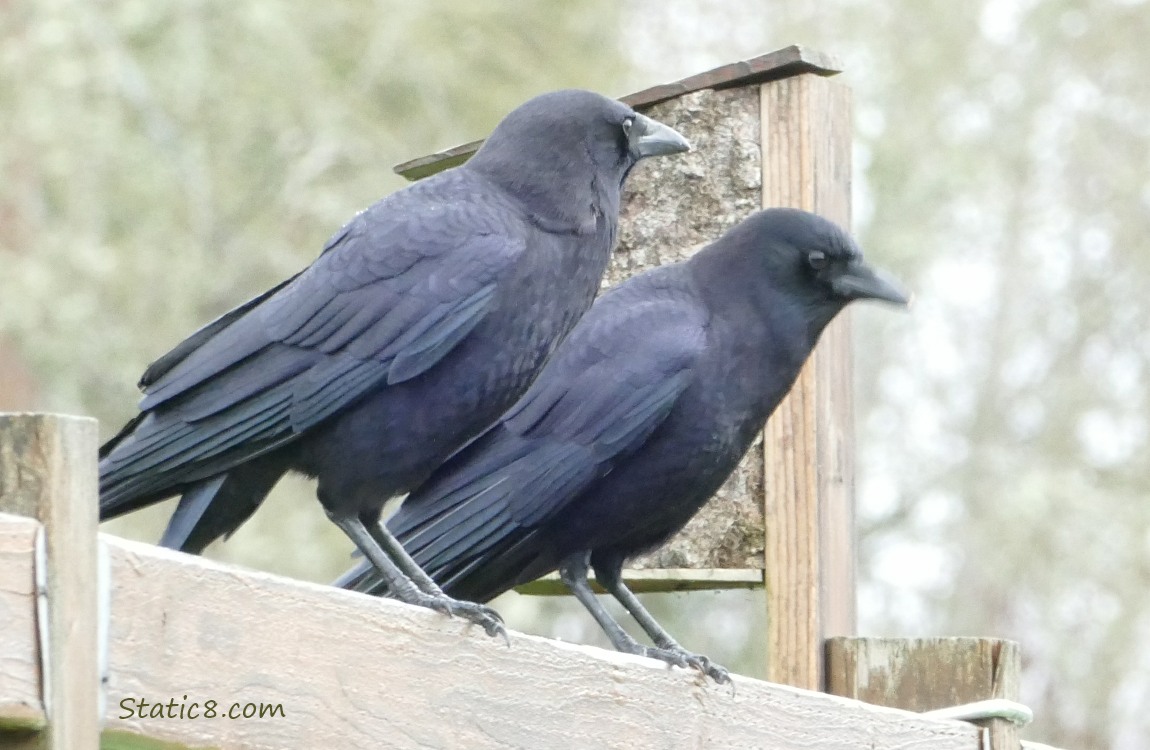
<point x="652" y="138"/>
<point x="860" y="281"/>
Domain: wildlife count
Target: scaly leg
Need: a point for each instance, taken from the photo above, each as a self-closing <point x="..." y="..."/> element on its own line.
<point x="380" y="548"/>
<point x="609" y="573"/>
<point x="573" y="573"/>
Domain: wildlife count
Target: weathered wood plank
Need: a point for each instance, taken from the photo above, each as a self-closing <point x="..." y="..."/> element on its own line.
<point x="21" y="709"/>
<point x="352" y="671"/>
<point x="809" y="451"/>
<point x="48" y="472"/>
<point x="925" y="674"/>
<point x="789" y="61"/>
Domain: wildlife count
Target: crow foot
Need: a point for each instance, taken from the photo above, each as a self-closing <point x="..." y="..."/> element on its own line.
<point x="680" y="657"/>
<point x="485" y="617"/>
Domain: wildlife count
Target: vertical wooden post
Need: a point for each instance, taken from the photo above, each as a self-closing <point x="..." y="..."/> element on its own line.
<point x="928" y="674"/>
<point x="48" y="472"/>
<point x="808" y="474"/>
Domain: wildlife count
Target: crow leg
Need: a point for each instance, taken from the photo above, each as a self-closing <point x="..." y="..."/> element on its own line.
<point x="394" y="550"/>
<point x="573" y="573"/>
<point x="609" y="574"/>
<point x="406" y="563"/>
<point x="401" y="586"/>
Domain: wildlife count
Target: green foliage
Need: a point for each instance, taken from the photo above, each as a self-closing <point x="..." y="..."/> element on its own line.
<point x="163" y="160"/>
<point x="1002" y="153"/>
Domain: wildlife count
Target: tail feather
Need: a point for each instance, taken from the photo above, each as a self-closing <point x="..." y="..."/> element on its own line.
<point x="474" y="551"/>
<point x="216" y="507"/>
<point x="190" y="512"/>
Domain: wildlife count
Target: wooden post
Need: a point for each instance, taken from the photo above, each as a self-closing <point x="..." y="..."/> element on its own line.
<point x="48" y="472"/>
<point x="928" y="674"/>
<point x="808" y="472"/>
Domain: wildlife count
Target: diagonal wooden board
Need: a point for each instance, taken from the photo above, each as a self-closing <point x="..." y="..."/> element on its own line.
<point x="353" y="671"/>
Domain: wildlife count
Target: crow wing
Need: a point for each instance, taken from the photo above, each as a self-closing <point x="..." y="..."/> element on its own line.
<point x="608" y="388"/>
<point x="391" y="295"/>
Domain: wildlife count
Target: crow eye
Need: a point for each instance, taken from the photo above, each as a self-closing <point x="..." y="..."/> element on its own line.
<point x="627" y="125"/>
<point x="818" y="260"/>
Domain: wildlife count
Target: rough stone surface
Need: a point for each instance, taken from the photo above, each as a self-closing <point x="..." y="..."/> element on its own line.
<point x="672" y="207"/>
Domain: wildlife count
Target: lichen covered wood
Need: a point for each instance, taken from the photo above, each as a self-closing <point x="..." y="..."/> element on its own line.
<point x="671" y="208"/>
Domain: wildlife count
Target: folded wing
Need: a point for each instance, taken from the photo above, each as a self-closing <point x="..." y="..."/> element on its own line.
<point x="475" y="526"/>
<point x="381" y="305"/>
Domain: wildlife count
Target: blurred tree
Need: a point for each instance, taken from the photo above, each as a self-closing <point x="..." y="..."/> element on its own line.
<point x="164" y="161"/>
<point x="1003" y="149"/>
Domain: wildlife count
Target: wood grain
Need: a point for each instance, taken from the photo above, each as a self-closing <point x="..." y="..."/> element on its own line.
<point x="809" y="441"/>
<point x="924" y="674"/>
<point x="353" y="671"/>
<point x="20" y="704"/>
<point x="48" y="472"/>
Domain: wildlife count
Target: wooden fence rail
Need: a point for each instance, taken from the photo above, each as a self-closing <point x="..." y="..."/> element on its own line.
<point x="333" y="669"/>
<point x="156" y="649"/>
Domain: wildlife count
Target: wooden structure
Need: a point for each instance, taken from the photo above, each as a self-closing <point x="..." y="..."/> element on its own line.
<point x="226" y="658"/>
<point x="904" y="672"/>
<point x="350" y="671"/>
<point x="771" y="131"/>
<point x="91" y="625"/>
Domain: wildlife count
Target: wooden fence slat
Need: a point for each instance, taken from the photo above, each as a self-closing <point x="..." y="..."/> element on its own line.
<point x="21" y="709"/>
<point x="353" y="671"/>
<point x="48" y="472"/>
<point x="926" y="674"/>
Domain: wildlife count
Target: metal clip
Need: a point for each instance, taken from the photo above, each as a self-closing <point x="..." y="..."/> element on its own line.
<point x="103" y="618"/>
<point x="40" y="578"/>
<point x="103" y="624"/>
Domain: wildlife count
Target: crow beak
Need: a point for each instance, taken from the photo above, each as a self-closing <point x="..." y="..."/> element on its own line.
<point x="652" y="138"/>
<point x="860" y="281"/>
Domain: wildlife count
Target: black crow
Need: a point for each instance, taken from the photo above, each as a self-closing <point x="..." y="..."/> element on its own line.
<point x="424" y="318"/>
<point x="635" y="421"/>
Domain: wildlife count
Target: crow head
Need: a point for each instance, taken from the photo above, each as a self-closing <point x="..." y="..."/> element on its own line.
<point x="567" y="153"/>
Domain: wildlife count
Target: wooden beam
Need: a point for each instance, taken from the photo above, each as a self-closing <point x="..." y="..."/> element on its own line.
<point x="354" y="671"/>
<point x="928" y="674"/>
<point x="48" y="472"/>
<point x="789" y="61"/>
<point x="809" y="442"/>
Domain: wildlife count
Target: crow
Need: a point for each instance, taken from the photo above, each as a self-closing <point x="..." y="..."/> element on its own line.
<point x="635" y="421"/>
<point x="423" y="319"/>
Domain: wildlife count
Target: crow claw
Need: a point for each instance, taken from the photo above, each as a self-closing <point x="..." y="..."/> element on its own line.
<point x="680" y="657"/>
<point x="478" y="614"/>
